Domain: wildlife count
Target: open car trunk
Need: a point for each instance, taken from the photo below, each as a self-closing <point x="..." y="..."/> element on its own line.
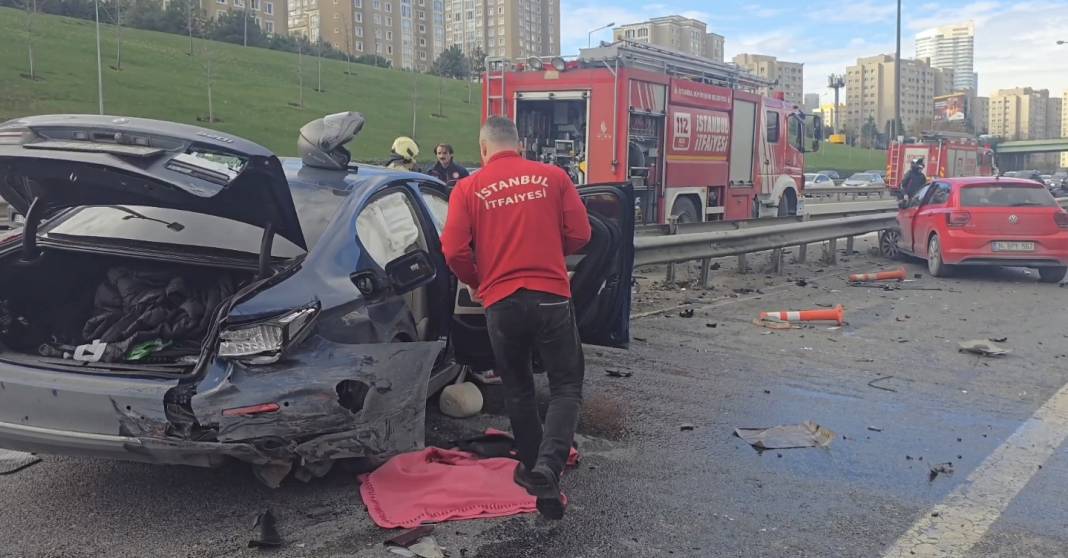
<point x="109" y="314"/>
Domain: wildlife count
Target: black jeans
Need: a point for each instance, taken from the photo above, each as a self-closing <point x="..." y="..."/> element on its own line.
<point x="525" y="321"/>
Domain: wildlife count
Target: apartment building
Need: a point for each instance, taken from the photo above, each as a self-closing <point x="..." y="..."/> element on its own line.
<point x="511" y="29"/>
<point x="870" y="92"/>
<point x="980" y="114"/>
<point x="1064" y="127"/>
<point x="788" y="76"/>
<point x="812" y="102"/>
<point x="1020" y="114"/>
<point x="408" y="33"/>
<point x="270" y="15"/>
<point x="676" y="33"/>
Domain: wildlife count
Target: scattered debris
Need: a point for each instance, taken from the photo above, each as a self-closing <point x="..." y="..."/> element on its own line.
<point x="714" y="266"/>
<point x="687" y="313"/>
<point x="775" y="325"/>
<point x="801" y="283"/>
<point x="805" y="435"/>
<point x="686" y="427"/>
<point x="940" y="469"/>
<point x="618" y="373"/>
<point x="15" y="461"/>
<point x="902" y="340"/>
<point x="265" y="531"/>
<point x="875" y="429"/>
<point x="866" y="360"/>
<point x="999" y="339"/>
<point x="410" y="537"/>
<point x="918" y="276"/>
<point x="879" y="379"/>
<point x="983" y="347"/>
<point x="640" y="339"/>
<point x="767" y="391"/>
<point x="744" y="290"/>
<point x="712" y="325"/>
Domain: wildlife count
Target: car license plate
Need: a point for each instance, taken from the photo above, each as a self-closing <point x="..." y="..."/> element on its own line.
<point x="1004" y="246"/>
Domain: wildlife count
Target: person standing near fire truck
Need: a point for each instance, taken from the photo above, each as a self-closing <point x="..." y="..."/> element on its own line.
<point x="913" y="181"/>
<point x="508" y="230"/>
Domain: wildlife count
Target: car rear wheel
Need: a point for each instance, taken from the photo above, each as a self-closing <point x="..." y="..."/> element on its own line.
<point x="1051" y="274"/>
<point x="889" y="245"/>
<point x="935" y="265"/>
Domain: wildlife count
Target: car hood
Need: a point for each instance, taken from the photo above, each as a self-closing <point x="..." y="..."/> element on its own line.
<point x="75" y="160"/>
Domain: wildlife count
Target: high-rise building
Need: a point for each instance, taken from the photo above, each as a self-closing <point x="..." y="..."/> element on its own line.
<point x="1020" y="114"/>
<point x="408" y="33"/>
<point x="870" y="93"/>
<point x="504" y="28"/>
<point x="812" y="102"/>
<point x="980" y="114"/>
<point x="270" y="15"/>
<point x="676" y="33"/>
<point x="788" y="76"/>
<point x="951" y="47"/>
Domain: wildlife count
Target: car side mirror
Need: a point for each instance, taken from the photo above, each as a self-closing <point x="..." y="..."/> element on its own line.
<point x="410" y="271"/>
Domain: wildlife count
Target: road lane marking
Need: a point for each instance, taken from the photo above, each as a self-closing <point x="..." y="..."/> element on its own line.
<point x="954" y="526"/>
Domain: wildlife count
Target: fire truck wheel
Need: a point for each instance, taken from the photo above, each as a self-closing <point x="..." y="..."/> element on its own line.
<point x="685" y="211"/>
<point x="788" y="204"/>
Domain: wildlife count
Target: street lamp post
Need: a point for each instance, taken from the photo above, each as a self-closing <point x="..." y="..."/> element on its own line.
<point x="589" y="36"/>
<point x="99" y="70"/>
<point x="897" y="77"/>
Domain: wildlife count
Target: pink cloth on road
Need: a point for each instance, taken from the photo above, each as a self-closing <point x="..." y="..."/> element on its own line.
<point x="437" y="484"/>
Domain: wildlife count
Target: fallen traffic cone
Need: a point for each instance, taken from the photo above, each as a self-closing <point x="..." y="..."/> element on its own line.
<point x="898" y="275"/>
<point x="836" y="314"/>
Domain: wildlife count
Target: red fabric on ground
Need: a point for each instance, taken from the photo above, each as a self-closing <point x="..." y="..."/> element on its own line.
<point x="437" y="484"/>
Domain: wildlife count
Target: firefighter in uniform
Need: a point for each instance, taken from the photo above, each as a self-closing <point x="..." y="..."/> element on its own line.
<point x="445" y="168"/>
<point x="912" y="182"/>
<point x="508" y="230"/>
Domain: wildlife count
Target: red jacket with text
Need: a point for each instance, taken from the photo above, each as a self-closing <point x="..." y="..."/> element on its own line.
<point x="510" y="226"/>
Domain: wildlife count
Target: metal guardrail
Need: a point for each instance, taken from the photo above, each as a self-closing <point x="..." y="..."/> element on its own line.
<point x="837" y="192"/>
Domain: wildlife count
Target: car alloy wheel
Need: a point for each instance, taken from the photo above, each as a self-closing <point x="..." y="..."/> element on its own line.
<point x="889" y="244"/>
<point x="935" y="265"/>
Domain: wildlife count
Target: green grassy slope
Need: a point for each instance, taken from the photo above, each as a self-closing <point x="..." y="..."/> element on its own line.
<point x="252" y="91"/>
<point x="845" y="159"/>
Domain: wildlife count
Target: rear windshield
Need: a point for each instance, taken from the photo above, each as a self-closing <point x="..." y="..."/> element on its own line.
<point x="167" y="226"/>
<point x="1006" y="195"/>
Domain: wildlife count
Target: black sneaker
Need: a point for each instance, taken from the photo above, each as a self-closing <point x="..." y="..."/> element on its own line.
<point x="544" y="485"/>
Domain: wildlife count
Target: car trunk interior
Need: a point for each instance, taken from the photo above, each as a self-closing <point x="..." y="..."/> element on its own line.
<point x="147" y="315"/>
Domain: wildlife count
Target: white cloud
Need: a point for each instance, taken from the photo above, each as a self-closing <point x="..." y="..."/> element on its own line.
<point x="856" y="13"/>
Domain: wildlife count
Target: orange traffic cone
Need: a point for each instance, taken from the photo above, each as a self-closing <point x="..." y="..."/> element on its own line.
<point x="836" y="314"/>
<point x="896" y="275"/>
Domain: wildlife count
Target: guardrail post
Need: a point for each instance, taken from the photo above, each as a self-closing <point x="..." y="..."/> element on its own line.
<point x="743" y="267"/>
<point x="830" y="255"/>
<point x="673" y="228"/>
<point x="706" y="272"/>
<point x="849" y="246"/>
<point x="802" y="253"/>
<point x="777" y="261"/>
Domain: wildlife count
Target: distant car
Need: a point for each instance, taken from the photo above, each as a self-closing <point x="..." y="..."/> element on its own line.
<point x="186" y="297"/>
<point x="863" y="179"/>
<point x="833" y="174"/>
<point x="880" y="172"/>
<point x="983" y="221"/>
<point x="817" y="180"/>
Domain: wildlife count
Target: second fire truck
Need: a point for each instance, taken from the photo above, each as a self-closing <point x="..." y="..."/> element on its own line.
<point x="691" y="135"/>
<point x="945" y="154"/>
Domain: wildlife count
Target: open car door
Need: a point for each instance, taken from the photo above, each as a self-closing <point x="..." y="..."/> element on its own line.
<point x="601" y="275"/>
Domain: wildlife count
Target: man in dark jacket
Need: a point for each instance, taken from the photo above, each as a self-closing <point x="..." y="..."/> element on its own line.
<point x="445" y="169"/>
<point x="508" y="231"/>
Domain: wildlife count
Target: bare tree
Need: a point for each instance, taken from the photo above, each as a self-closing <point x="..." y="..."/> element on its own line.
<point x="320" y="65"/>
<point x="118" y="34"/>
<point x="209" y="75"/>
<point x="189" y="3"/>
<point x="31" y="9"/>
<point x="300" y="71"/>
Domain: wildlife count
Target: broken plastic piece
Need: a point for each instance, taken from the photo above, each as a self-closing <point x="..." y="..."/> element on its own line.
<point x="805" y="435"/>
<point x="266" y="533"/>
<point x="983" y="347"/>
<point x="411" y="536"/>
<point x="15" y="461"/>
<point x="686" y="427"/>
<point x="940" y="469"/>
<point x="618" y="374"/>
<point x="687" y="313"/>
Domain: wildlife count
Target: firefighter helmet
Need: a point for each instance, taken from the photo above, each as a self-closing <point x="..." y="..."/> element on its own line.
<point x="405" y="147"/>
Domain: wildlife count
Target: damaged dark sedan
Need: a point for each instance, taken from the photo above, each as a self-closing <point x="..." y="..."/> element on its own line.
<point x="182" y="296"/>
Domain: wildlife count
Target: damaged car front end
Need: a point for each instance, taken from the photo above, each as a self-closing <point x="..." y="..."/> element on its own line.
<point x="178" y="296"/>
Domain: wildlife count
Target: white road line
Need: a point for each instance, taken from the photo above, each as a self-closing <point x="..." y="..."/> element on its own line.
<point x="953" y="527"/>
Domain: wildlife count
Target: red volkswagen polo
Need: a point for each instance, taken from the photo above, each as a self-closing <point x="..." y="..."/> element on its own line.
<point x="983" y="221"/>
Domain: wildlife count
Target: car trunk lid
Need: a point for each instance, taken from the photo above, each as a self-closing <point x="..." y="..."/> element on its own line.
<point x="75" y="160"/>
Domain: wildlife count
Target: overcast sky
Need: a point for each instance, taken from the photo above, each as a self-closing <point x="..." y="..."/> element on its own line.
<point x="1015" y="42"/>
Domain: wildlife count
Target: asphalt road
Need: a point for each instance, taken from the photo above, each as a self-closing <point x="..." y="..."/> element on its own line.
<point x="647" y="488"/>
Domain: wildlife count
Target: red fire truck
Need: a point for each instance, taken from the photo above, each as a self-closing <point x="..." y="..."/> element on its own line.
<point x="946" y="154"/>
<point x="691" y="135"/>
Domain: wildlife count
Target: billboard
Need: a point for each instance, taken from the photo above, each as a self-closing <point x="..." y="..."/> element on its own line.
<point x="951" y="108"/>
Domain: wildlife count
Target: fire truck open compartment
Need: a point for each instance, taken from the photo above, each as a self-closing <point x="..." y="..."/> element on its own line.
<point x="552" y="127"/>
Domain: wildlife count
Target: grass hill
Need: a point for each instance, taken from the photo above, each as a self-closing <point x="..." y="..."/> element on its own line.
<point x="845" y="159"/>
<point x="254" y="90"/>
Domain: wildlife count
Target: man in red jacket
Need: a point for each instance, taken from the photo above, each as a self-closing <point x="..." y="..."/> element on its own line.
<point x="508" y="230"/>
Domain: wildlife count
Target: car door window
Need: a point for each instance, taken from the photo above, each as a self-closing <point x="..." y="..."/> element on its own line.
<point x="388" y="228"/>
<point x="939" y="194"/>
<point x="919" y="197"/>
<point x="439" y="207"/>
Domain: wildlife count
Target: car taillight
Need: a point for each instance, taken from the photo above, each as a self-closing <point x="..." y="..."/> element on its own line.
<point x="1061" y="218"/>
<point x="263" y="342"/>
<point x="958" y="218"/>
